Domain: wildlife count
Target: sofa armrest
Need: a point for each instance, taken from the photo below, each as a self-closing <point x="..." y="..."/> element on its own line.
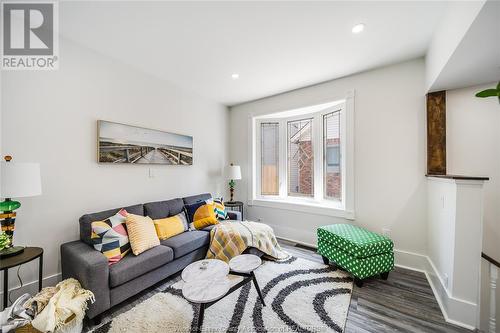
<point x="90" y="268"/>
<point x="234" y="215"/>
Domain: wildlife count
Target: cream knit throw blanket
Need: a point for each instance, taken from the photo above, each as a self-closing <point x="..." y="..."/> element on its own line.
<point x="69" y="298"/>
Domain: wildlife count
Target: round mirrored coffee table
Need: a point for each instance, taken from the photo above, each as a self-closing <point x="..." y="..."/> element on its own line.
<point x="198" y="291"/>
<point x="245" y="263"/>
<point x="206" y="281"/>
<point x="206" y="270"/>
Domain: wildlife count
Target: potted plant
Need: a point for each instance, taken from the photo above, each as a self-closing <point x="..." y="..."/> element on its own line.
<point x="493" y="92"/>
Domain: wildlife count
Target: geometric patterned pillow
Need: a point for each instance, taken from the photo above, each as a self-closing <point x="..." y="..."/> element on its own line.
<point x="220" y="209"/>
<point x="110" y="237"/>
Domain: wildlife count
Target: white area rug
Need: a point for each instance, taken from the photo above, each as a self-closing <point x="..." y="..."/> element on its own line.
<point x="300" y="296"/>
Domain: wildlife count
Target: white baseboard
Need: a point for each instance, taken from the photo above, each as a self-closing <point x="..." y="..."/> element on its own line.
<point x="32" y="287"/>
<point x="313" y="246"/>
<point x="455" y="311"/>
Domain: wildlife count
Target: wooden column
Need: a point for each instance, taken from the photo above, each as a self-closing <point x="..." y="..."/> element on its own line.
<point x="436" y="133"/>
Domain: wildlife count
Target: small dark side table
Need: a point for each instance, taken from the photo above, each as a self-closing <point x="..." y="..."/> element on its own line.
<point x="29" y="254"/>
<point x="235" y="204"/>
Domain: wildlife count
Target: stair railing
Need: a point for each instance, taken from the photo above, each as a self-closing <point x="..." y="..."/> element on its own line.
<point x="494" y="266"/>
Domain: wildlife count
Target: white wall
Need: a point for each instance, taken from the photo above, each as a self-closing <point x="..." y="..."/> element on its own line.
<point x="473" y="141"/>
<point x="50" y="117"/>
<point x="390" y="160"/>
<point x="453" y="26"/>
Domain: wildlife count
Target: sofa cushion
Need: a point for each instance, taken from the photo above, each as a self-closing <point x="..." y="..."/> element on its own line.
<point x="87" y="219"/>
<point x="233" y="215"/>
<point x="132" y="266"/>
<point x="161" y="209"/>
<point x="209" y="228"/>
<point x="187" y="242"/>
<point x="197" y="198"/>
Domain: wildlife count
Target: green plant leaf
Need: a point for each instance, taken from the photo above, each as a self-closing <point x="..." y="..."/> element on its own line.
<point x="487" y="93"/>
<point x="498" y="86"/>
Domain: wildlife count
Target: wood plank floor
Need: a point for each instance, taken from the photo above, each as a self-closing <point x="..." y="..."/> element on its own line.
<point x="402" y="303"/>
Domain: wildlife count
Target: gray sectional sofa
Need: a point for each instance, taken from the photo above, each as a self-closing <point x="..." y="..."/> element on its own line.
<point x="113" y="284"/>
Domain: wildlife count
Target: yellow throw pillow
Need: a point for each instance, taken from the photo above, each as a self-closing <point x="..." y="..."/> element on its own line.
<point x="204" y="216"/>
<point x="171" y="226"/>
<point x="141" y="233"/>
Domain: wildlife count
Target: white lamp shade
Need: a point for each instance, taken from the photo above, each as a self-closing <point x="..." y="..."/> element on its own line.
<point x="20" y="180"/>
<point x="233" y="172"/>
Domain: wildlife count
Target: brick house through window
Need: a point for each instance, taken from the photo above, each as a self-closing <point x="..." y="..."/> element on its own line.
<point x="300" y="158"/>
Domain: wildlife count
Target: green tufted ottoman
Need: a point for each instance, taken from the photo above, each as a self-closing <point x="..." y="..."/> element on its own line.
<point x="361" y="252"/>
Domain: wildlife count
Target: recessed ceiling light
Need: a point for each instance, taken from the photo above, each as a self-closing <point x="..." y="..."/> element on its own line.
<point x="235" y="76"/>
<point x="358" y="28"/>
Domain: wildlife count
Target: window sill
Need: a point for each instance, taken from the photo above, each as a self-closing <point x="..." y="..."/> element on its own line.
<point x="313" y="207"/>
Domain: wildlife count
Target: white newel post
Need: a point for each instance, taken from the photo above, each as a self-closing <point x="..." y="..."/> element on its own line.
<point x="455" y="240"/>
<point x="493" y="287"/>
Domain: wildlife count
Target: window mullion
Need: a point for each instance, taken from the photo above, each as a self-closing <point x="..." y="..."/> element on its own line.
<point x="258" y="157"/>
<point x="283" y="179"/>
<point x="318" y="157"/>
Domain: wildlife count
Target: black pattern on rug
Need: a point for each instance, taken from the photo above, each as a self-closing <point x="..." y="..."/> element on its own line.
<point x="283" y="293"/>
<point x="257" y="310"/>
<point x="286" y="261"/>
<point x="245" y="310"/>
<point x="239" y="308"/>
<point x="319" y="306"/>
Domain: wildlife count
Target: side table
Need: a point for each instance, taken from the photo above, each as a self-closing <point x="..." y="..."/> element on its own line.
<point x="235" y="204"/>
<point x="29" y="254"/>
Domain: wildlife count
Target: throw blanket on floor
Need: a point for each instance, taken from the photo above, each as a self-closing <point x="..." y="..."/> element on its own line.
<point x="68" y="299"/>
<point x="229" y="239"/>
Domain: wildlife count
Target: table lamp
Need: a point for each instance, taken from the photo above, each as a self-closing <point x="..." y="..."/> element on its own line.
<point x="17" y="180"/>
<point x="233" y="173"/>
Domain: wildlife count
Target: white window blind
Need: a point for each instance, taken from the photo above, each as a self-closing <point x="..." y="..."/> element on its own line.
<point x="269" y="158"/>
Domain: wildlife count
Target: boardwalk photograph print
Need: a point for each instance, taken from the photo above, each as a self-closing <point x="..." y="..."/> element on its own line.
<point x="119" y="143"/>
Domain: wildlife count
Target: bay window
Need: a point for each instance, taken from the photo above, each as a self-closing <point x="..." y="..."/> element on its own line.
<point x="299" y="158"/>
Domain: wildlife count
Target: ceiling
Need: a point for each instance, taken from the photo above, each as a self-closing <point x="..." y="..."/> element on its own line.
<point x="273" y="46"/>
<point x="476" y="60"/>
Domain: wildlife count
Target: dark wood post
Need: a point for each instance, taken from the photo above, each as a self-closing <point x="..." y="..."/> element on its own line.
<point x="436" y="133"/>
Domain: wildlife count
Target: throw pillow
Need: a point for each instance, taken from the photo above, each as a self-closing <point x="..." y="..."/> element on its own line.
<point x="171" y="226"/>
<point x="201" y="214"/>
<point x="110" y="237"/>
<point x="220" y="209"/>
<point x="141" y="233"/>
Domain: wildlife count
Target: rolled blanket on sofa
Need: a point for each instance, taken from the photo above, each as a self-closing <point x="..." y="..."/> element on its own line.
<point x="229" y="239"/>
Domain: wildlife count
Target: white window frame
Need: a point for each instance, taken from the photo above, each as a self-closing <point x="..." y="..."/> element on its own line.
<point x="318" y="204"/>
